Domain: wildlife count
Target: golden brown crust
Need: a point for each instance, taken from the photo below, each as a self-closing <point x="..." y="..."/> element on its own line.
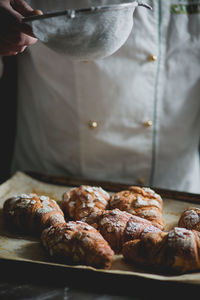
<point x="118" y="226"/>
<point x="176" y="251"/>
<point x="190" y="219"/>
<point x="32" y="213"/>
<point x="143" y="202"/>
<point x="78" y="243"/>
<point x="84" y="203"/>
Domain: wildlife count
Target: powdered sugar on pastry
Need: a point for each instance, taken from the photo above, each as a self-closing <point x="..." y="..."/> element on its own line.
<point x="190" y="218"/>
<point x="32" y="213"/>
<point x="143" y="202"/>
<point x="77" y="242"/>
<point x="83" y="202"/>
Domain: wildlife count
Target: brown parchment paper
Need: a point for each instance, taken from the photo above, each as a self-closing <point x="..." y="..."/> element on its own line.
<point x="26" y="248"/>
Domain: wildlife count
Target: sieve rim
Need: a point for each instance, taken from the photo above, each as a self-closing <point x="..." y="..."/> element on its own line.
<point x="93" y="9"/>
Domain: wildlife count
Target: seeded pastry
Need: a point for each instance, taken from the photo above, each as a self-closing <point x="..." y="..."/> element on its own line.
<point x="143" y="202"/>
<point x="32" y="213"/>
<point x="84" y="203"/>
<point x="78" y="243"/>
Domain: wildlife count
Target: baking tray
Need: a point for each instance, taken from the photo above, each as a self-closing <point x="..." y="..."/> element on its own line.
<point x="19" y="249"/>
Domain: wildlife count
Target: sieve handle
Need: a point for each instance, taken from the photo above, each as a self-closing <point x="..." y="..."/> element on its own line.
<point x="69" y="12"/>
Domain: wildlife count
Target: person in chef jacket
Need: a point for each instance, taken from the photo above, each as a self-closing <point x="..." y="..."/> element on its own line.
<point x="132" y="117"/>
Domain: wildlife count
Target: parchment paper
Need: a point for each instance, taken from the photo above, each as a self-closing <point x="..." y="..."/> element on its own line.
<point x="27" y="248"/>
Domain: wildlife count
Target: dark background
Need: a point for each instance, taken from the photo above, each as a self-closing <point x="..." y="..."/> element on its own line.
<point x="8" y="105"/>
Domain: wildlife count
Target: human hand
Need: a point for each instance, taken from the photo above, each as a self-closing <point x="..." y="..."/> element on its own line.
<point x="15" y="36"/>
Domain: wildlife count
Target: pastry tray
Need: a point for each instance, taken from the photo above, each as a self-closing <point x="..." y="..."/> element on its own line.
<point x="25" y="249"/>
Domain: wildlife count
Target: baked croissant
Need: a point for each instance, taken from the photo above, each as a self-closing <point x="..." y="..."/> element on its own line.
<point x="176" y="251"/>
<point x="118" y="227"/>
<point x="32" y="213"/>
<point x="190" y="219"/>
<point x="143" y="202"/>
<point x="84" y="203"/>
<point x="78" y="243"/>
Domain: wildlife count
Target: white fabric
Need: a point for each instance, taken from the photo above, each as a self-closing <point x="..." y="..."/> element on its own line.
<point x="58" y="97"/>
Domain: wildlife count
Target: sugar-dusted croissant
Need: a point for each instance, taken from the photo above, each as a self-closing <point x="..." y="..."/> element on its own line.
<point x="32" y="213"/>
<point x="83" y="203"/>
<point x="118" y="227"/>
<point x="176" y="251"/>
<point x="78" y="243"/>
<point x="143" y="202"/>
<point x="190" y="219"/>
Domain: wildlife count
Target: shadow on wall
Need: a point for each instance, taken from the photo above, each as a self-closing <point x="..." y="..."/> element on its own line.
<point x="8" y="104"/>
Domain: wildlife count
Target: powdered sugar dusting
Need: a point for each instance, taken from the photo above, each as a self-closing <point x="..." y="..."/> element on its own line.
<point x="180" y="238"/>
<point x="150" y="228"/>
<point x="81" y="201"/>
<point x="44" y="198"/>
<point x="25" y="196"/>
<point x="140" y="202"/>
<point x="190" y="219"/>
<point x="57" y="218"/>
<point x="178" y="232"/>
<point x="151" y="213"/>
<point x="133" y="227"/>
<point x="151" y="192"/>
<point x="44" y="210"/>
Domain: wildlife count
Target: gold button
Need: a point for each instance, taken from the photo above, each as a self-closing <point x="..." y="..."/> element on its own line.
<point x="152" y="57"/>
<point x="148" y="123"/>
<point x="93" y="124"/>
<point x="141" y="180"/>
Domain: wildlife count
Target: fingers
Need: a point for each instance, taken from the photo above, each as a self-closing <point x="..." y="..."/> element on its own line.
<point x="9" y="51"/>
<point x="18" y="38"/>
<point x="22" y="7"/>
<point x="15" y="35"/>
<point x="25" y="28"/>
<point x="37" y="12"/>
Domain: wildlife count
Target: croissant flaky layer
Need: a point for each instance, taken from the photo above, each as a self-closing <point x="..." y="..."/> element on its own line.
<point x="143" y="202"/>
<point x="79" y="243"/>
<point x="107" y="230"/>
<point x="175" y="251"/>
<point x="32" y="213"/>
<point x="83" y="203"/>
<point x="118" y="227"/>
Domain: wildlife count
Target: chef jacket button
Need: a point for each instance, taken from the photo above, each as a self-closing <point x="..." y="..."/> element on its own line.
<point x="148" y="123"/>
<point x="152" y="57"/>
<point x="141" y="180"/>
<point x="93" y="124"/>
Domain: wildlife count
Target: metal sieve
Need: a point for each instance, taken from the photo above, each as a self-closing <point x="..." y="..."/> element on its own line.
<point x="87" y="29"/>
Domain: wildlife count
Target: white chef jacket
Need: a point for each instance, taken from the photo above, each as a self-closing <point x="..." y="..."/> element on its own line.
<point x="133" y="117"/>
